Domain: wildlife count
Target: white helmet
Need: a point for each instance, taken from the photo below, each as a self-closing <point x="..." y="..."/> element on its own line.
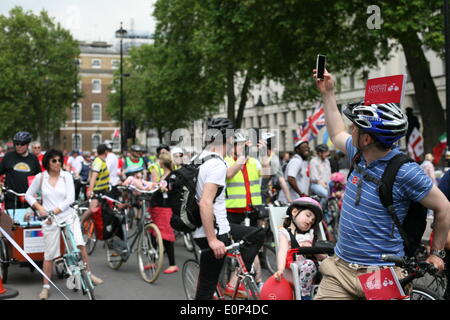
<point x="239" y="137"/>
<point x="176" y="150"/>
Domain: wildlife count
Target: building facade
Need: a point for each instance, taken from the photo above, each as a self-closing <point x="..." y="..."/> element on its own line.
<point x="88" y="122"/>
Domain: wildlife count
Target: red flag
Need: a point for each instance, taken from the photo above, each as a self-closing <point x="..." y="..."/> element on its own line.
<point x="439" y="149"/>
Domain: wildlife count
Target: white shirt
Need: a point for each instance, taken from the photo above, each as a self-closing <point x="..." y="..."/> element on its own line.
<point x="112" y="162"/>
<point x="213" y="171"/>
<point x="75" y="164"/>
<point x="300" y="237"/>
<point x="61" y="196"/>
<point x="297" y="168"/>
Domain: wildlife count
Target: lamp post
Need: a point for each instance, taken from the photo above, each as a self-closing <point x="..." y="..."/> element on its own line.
<point x="75" y="104"/>
<point x="121" y="33"/>
<point x="259" y="105"/>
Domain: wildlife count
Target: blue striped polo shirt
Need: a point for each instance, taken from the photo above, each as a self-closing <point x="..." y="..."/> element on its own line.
<point x="365" y="231"/>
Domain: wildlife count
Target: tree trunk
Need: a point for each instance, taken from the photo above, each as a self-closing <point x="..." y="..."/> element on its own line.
<point x="433" y="117"/>
<point x="243" y="100"/>
<point x="231" y="99"/>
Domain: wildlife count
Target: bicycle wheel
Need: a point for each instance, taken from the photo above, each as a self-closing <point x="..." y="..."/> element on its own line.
<point x="422" y="293"/>
<point x="113" y="256"/>
<point x="89" y="236"/>
<point x="150" y="253"/>
<point x="251" y="288"/>
<point x="87" y="285"/>
<point x="270" y="257"/>
<point x="4" y="260"/>
<point x="189" y="276"/>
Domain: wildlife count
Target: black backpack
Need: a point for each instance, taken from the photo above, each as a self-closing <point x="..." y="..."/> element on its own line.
<point x="415" y="221"/>
<point x="182" y="190"/>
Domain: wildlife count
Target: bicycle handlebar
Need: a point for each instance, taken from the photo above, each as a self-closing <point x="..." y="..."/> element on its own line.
<point x="12" y="192"/>
<point x="133" y="188"/>
<point x="238" y="244"/>
<point x="410" y="264"/>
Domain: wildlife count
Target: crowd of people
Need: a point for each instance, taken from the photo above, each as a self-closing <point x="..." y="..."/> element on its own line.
<point x="232" y="184"/>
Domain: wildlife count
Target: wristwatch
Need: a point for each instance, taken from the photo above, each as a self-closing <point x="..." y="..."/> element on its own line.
<point x="438" y="253"/>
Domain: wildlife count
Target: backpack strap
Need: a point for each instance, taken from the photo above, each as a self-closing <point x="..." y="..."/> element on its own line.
<point x="294" y="243"/>
<point x="386" y="187"/>
<point x="356" y="158"/>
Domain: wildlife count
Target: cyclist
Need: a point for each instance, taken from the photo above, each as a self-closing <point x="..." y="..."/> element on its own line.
<point x="85" y="169"/>
<point x="17" y="166"/>
<point x="296" y="173"/>
<point x="134" y="158"/>
<point x="320" y="173"/>
<point x="36" y="148"/>
<point x="98" y="181"/>
<point x="112" y="162"/>
<point x="365" y="224"/>
<point x="58" y="193"/>
<point x="177" y="156"/>
<point x="243" y="193"/>
<point x="214" y="232"/>
<point x="274" y="176"/>
<point x="155" y="169"/>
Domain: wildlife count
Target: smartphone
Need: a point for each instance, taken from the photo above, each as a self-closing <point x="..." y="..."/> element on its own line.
<point x="320" y="66"/>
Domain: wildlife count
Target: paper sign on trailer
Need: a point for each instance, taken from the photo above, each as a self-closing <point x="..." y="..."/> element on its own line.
<point x="385" y="90"/>
<point x="33" y="241"/>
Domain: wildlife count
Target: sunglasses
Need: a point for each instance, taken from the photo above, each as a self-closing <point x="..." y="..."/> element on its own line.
<point x="56" y="160"/>
<point x="37" y="147"/>
<point x="20" y="143"/>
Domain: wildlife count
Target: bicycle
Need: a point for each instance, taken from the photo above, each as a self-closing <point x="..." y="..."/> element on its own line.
<point x="191" y="269"/>
<point x="71" y="265"/>
<point x="150" y="250"/>
<point x="416" y="269"/>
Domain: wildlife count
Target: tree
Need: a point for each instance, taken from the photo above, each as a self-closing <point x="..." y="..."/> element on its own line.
<point x="38" y="72"/>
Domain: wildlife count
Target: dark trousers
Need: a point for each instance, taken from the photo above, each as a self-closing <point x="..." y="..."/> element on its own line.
<point x="239" y="231"/>
<point x="77" y="183"/>
<point x="210" y="268"/>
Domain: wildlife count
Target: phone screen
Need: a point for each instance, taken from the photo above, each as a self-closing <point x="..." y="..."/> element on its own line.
<point x="320" y="66"/>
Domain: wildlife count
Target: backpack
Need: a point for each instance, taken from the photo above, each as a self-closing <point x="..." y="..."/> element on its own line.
<point x="182" y="191"/>
<point x="415" y="221"/>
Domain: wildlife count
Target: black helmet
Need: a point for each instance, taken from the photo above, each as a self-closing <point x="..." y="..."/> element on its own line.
<point x="23" y="136"/>
<point x="162" y="146"/>
<point x="136" y="148"/>
<point x="221" y="124"/>
<point x="322" y="148"/>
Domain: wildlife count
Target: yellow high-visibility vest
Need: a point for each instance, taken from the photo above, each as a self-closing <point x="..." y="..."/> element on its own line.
<point x="236" y="192"/>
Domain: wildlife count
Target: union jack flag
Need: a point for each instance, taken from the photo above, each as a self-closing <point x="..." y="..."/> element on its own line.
<point x="310" y="128"/>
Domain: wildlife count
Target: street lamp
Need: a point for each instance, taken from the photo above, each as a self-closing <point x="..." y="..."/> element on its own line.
<point x="259" y="104"/>
<point x="121" y="33"/>
<point x="75" y="105"/>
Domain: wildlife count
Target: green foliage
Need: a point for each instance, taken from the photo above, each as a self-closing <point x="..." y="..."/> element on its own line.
<point x="38" y="73"/>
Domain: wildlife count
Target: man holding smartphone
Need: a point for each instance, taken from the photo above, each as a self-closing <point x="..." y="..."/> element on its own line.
<point x="366" y="227"/>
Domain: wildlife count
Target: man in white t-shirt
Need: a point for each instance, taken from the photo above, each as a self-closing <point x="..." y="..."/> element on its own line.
<point x="297" y="173"/>
<point x="112" y="162"/>
<point x="74" y="164"/>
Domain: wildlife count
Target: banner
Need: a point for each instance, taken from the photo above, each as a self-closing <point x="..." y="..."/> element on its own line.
<point x="385" y="90"/>
<point x="415" y="145"/>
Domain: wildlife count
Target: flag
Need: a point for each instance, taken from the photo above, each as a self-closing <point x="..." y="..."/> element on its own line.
<point x="316" y="121"/>
<point x="326" y="139"/>
<point x="116" y="133"/>
<point x="415" y="145"/>
<point x="439" y="149"/>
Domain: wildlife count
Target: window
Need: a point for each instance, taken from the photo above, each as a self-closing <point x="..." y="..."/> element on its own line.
<point x="76" y="141"/>
<point x="96" y="138"/>
<point x="96" y="86"/>
<point x="115" y="64"/>
<point x="76" y="112"/>
<point x="96" y="63"/>
<point x="96" y="112"/>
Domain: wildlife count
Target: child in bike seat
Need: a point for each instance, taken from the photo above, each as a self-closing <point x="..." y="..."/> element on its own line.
<point x="135" y="178"/>
<point x="298" y="231"/>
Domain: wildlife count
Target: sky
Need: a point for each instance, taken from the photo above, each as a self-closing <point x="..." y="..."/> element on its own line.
<point x="92" y="20"/>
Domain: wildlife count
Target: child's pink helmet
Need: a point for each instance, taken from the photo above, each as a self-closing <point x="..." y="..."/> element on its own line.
<point x="338" y="177"/>
<point x="308" y="203"/>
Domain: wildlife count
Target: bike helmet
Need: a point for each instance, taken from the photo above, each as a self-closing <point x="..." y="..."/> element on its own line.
<point x="161" y="147"/>
<point x="308" y="203"/>
<point x="239" y="137"/>
<point x="338" y="177"/>
<point x="136" y="148"/>
<point x="276" y="290"/>
<point x="322" y="148"/>
<point x="22" y="136"/>
<point x="221" y="124"/>
<point x="176" y="150"/>
<point x="299" y="142"/>
<point x="385" y="121"/>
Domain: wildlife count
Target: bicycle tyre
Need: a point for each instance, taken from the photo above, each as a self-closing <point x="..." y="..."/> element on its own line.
<point x="150" y="253"/>
<point x="189" y="276"/>
<point x="89" y="236"/>
<point x="113" y="257"/>
<point x="422" y="293"/>
<point x="87" y="285"/>
<point x="251" y="288"/>
<point x="270" y="257"/>
<point x="187" y="239"/>
<point x="4" y="257"/>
